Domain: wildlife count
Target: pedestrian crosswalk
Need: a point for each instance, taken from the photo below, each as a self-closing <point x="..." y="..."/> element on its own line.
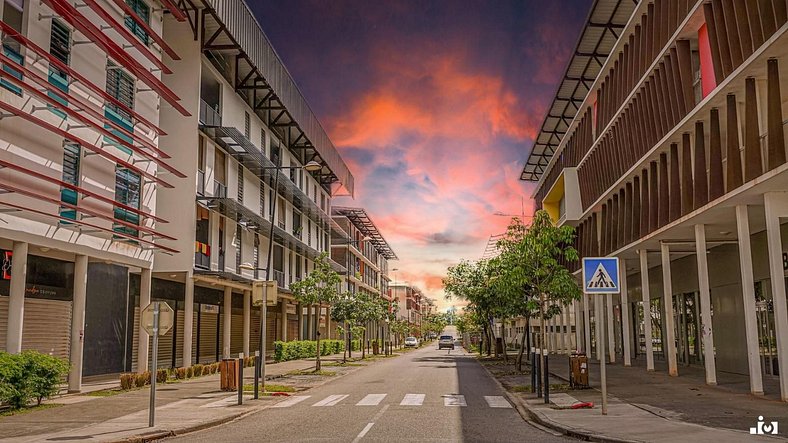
<point x="449" y="400"/>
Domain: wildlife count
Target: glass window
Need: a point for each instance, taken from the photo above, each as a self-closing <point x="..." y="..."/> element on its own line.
<point x="128" y="188"/>
<point x="142" y="11"/>
<point x="120" y="85"/>
<point x="247" y="126"/>
<point x="71" y="163"/>
<point x="60" y="48"/>
<point x="12" y="15"/>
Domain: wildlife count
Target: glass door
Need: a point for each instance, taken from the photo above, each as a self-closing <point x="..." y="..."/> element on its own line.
<point x="767" y="338"/>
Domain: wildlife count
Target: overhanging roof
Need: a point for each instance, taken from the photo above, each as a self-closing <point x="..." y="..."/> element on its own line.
<point x="232" y="26"/>
<point x="602" y="29"/>
<point x="361" y="220"/>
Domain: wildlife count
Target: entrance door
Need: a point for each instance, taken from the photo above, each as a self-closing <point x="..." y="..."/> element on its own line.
<point x="105" y="319"/>
<point x="767" y="337"/>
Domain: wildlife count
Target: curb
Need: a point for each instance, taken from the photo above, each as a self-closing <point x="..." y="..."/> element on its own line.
<point x="531" y="415"/>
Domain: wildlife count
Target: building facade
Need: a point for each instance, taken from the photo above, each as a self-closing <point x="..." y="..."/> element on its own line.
<point x="154" y="163"/>
<point x="669" y="153"/>
<point x="409" y="300"/>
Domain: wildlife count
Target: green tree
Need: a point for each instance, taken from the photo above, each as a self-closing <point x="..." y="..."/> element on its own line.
<point x="319" y="287"/>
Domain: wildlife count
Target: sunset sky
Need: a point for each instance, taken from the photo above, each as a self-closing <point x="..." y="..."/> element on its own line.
<point x="433" y="106"/>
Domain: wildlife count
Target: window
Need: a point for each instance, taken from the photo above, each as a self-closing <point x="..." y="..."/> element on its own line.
<point x="13" y="16"/>
<point x="247" y="126"/>
<point x="262" y="200"/>
<point x="120" y="85"/>
<point x="128" y="187"/>
<point x="71" y="163"/>
<point x="240" y="184"/>
<point x="238" y="248"/>
<point x="142" y="11"/>
<point x="60" y="48"/>
<point x="262" y="141"/>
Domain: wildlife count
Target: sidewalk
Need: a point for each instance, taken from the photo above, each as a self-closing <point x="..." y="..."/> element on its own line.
<point x="652" y="406"/>
<point x="180" y="407"/>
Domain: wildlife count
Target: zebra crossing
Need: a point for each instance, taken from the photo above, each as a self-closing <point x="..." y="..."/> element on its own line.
<point x="410" y="400"/>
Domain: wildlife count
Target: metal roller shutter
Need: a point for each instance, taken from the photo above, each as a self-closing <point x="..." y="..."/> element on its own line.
<point x="46" y="327"/>
<point x="292" y="327"/>
<point x="237" y="335"/>
<point x="208" y="323"/>
<point x="135" y="340"/>
<point x="179" y="338"/>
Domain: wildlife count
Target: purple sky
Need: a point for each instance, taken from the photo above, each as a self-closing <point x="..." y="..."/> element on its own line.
<point x="433" y="106"/>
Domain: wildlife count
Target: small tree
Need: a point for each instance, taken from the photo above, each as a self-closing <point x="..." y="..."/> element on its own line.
<point x="319" y="287"/>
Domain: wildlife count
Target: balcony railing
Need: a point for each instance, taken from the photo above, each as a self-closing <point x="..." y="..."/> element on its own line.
<point x="200" y="183"/>
<point x="209" y="114"/>
<point x="279" y="276"/>
<point x="281" y="224"/>
<point x="219" y="190"/>
<point x="202" y="261"/>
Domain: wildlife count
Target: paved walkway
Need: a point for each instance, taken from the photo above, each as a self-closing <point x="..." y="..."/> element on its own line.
<point x="187" y="405"/>
<point x="652" y="406"/>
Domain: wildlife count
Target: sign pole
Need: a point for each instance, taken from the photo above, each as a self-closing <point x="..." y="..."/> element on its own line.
<point x="603" y="357"/>
<point x="154" y="363"/>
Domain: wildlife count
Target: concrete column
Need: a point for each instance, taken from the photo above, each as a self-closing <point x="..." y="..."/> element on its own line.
<point x="646" y="293"/>
<point x="300" y="312"/>
<point x="705" y="305"/>
<point x="626" y="333"/>
<point x="586" y="326"/>
<point x="16" y="302"/>
<point x="669" y="340"/>
<point x="579" y="325"/>
<point x="188" y="320"/>
<point x="748" y="294"/>
<point x="142" y="349"/>
<point x="598" y="313"/>
<point x="78" y="323"/>
<point x="283" y="311"/>
<point x="777" y="206"/>
<point x="227" y="316"/>
<point x="611" y="335"/>
<point x="247" y="321"/>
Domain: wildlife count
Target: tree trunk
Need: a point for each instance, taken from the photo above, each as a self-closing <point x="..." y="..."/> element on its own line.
<point x="363" y="341"/>
<point x="493" y="339"/>
<point x="317" y="360"/>
<point x="520" y="353"/>
<point x="546" y="386"/>
<point x="344" y="352"/>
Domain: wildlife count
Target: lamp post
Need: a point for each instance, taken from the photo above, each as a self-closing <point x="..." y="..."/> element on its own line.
<point x="259" y="368"/>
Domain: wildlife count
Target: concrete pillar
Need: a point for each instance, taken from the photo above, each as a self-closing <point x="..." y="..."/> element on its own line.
<point x="611" y="335"/>
<point x="300" y="312"/>
<point x="646" y="294"/>
<point x="16" y="302"/>
<point x="669" y="340"/>
<point x="579" y="325"/>
<point x="598" y="313"/>
<point x="777" y="206"/>
<point x="705" y="305"/>
<point x="227" y="316"/>
<point x="142" y="349"/>
<point x="586" y="325"/>
<point x="78" y="323"/>
<point x="283" y="311"/>
<point x="748" y="294"/>
<point x="247" y="321"/>
<point x="188" y="320"/>
<point x="626" y="333"/>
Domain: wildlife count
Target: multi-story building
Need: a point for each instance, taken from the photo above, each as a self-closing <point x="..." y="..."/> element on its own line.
<point x="358" y="246"/>
<point x="147" y="165"/>
<point x="665" y="147"/>
<point x="409" y="300"/>
<point x="82" y="159"/>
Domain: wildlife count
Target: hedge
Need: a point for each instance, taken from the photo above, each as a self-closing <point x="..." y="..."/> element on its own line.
<point x="28" y="376"/>
<point x="295" y="350"/>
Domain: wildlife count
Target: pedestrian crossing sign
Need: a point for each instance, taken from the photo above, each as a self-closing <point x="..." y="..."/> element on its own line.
<point x="600" y="275"/>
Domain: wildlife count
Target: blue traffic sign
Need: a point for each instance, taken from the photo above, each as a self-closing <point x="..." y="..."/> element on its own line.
<point x="600" y="275"/>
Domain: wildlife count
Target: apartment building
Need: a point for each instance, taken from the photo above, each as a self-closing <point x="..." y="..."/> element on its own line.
<point x="149" y="153"/>
<point x="82" y="158"/>
<point x="665" y="147"/>
<point x="409" y="299"/>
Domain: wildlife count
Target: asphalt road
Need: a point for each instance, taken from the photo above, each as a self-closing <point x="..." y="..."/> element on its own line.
<point x="425" y="395"/>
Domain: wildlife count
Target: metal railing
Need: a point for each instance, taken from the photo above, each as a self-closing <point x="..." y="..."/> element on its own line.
<point x="210" y="115"/>
<point x="202" y="261"/>
<point x="219" y="190"/>
<point x="200" y="183"/>
<point x="279" y="276"/>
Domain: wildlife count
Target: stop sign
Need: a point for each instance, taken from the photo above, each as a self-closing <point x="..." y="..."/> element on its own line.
<point x="166" y="317"/>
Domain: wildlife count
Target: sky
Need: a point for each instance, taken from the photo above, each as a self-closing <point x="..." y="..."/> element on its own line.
<point x="433" y="105"/>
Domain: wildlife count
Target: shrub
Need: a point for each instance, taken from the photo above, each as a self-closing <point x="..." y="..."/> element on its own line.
<point x="29" y="375"/>
<point x="127" y="380"/>
<point x="295" y="350"/>
<point x="190" y="372"/>
<point x="161" y="376"/>
<point x="180" y="373"/>
<point x="142" y="379"/>
<point x="197" y="370"/>
<point x="214" y="368"/>
<point x="15" y="387"/>
<point x="206" y="370"/>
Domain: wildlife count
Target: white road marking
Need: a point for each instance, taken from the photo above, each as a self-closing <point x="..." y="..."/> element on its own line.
<point x="291" y="401"/>
<point x="331" y="400"/>
<point x="371" y="400"/>
<point x="227" y="401"/>
<point x="497" y="401"/>
<point x="412" y="400"/>
<point x="454" y="400"/>
<point x="363" y="432"/>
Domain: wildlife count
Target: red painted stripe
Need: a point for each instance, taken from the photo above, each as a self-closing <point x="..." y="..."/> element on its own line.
<point x="151" y="33"/>
<point x="174" y="10"/>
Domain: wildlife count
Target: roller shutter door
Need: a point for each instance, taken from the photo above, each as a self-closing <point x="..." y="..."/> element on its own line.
<point x="292" y="327"/>
<point x="208" y="335"/>
<point x="237" y="335"/>
<point x="46" y="327"/>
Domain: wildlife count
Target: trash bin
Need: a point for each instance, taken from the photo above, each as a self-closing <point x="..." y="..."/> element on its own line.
<point x="578" y="371"/>
<point x="228" y="370"/>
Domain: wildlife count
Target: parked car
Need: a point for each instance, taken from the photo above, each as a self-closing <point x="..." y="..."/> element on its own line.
<point x="446" y="341"/>
<point x="411" y="342"/>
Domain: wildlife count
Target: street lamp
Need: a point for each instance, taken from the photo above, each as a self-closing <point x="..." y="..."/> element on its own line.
<point x="259" y="369"/>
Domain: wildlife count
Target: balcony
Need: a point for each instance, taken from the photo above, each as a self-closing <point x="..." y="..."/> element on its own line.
<point x="202" y="261"/>
<point x="279" y="276"/>
<point x="219" y="190"/>
<point x="210" y="114"/>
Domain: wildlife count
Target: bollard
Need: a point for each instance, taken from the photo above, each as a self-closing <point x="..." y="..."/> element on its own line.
<point x="241" y="378"/>
<point x="546" y="381"/>
<point x="538" y="375"/>
<point x="256" y="375"/>
<point x="533" y="371"/>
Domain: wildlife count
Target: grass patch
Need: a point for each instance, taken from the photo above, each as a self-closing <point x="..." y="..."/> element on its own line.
<point x="312" y="372"/>
<point x="270" y="387"/>
<point x="27" y="410"/>
<point x="520" y="388"/>
<point x="110" y="392"/>
<point x="340" y="364"/>
<point x="560" y="387"/>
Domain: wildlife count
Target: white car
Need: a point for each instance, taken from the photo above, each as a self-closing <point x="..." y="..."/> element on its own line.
<point x="411" y="342"/>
